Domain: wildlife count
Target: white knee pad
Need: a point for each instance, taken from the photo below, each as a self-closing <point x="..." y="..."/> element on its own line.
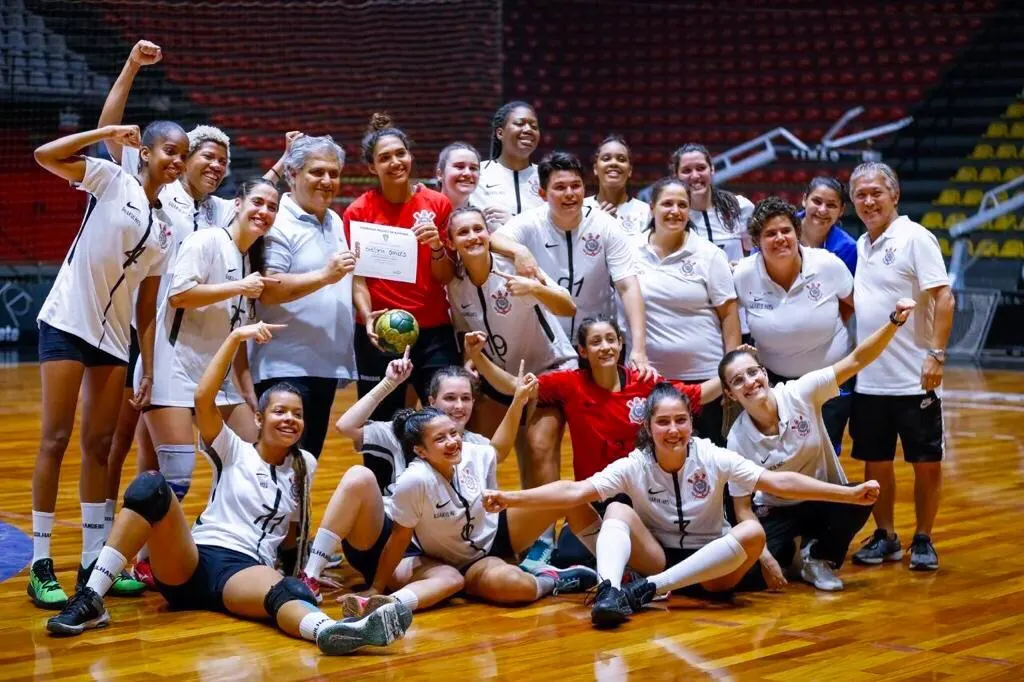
<point x="176" y="464"/>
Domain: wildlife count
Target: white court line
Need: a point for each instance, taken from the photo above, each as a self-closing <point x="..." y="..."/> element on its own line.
<point x="984" y="406"/>
<point x="984" y="396"/>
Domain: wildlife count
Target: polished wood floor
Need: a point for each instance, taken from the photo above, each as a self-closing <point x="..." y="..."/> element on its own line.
<point x="964" y="622"/>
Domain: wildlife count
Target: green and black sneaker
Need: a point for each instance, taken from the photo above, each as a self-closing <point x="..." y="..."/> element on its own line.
<point x="43" y="588"/>
<point x="124" y="585"/>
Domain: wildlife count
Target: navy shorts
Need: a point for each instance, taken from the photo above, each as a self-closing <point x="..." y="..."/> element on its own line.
<point x="57" y="344"/>
<point x="365" y="560"/>
<point x="204" y="590"/>
<point x="133" y="359"/>
<point x="675" y="555"/>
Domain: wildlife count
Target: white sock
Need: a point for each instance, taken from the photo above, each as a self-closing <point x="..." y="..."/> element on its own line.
<point x="93" y="530"/>
<point x="323" y="547"/>
<point x="613" y="550"/>
<point x="108" y="567"/>
<point x="588" y="536"/>
<point x="713" y="560"/>
<point x="109" y="508"/>
<point x="42" y="529"/>
<point x="311" y="624"/>
<point x="545" y="585"/>
<point x="407" y="597"/>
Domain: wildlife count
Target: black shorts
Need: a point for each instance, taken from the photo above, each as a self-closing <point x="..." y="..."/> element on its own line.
<point x="365" y="560"/>
<point x="204" y="590"/>
<point x="675" y="555"/>
<point x="57" y="344"/>
<point x="502" y="545"/>
<point x="133" y="359"/>
<point x="877" y="420"/>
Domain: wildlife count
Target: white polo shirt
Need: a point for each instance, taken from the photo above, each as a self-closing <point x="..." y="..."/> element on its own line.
<point x="514" y="191"/>
<point x="633" y="216"/>
<point x="251" y="502"/>
<point x="448" y="517"/>
<point x="380" y="442"/>
<point x="799" y="330"/>
<point x="802" y="444"/>
<point x="681" y="292"/>
<point x="122" y="241"/>
<point x="708" y="224"/>
<point x="586" y="260"/>
<point x="681" y="509"/>
<point x="319" y="338"/>
<point x="904" y="262"/>
<point x="518" y="328"/>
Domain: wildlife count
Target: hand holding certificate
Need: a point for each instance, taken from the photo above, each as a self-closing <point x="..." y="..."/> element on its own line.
<point x="384" y="252"/>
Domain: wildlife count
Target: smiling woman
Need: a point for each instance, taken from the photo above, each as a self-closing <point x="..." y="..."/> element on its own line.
<point x="613" y="168"/>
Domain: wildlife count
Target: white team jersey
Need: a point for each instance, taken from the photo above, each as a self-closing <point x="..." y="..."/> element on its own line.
<point x="681" y="292"/>
<point x="708" y="224"/>
<point x="188" y="338"/>
<point x="633" y="216"/>
<point x="586" y="260"/>
<point x="904" y="262"/>
<point x="251" y="502"/>
<point x="122" y="241"/>
<point x="802" y="444"/>
<point x="514" y="191"/>
<point x="380" y="441"/>
<point x="518" y="328"/>
<point x="448" y="517"/>
<point x="799" y="330"/>
<point x="681" y="509"/>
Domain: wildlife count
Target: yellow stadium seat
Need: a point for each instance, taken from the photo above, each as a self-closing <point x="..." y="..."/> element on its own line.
<point x="1005" y="223"/>
<point x="971" y="197"/>
<point x="1017" y="131"/>
<point x="1012" y="173"/>
<point x="1015" y="110"/>
<point x="948" y="197"/>
<point x="983" y="151"/>
<point x="933" y="220"/>
<point x="997" y="129"/>
<point x="1006" y="151"/>
<point x="954" y="218"/>
<point x="990" y="174"/>
<point x="966" y="174"/>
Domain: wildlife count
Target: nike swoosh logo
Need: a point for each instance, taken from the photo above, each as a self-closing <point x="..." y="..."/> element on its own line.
<point x="441" y="506"/>
<point x="134" y="208"/>
<point x="232" y="270"/>
<point x="654" y="492"/>
<point x="493" y="186"/>
<point x="464" y="306"/>
<point x="550" y="246"/>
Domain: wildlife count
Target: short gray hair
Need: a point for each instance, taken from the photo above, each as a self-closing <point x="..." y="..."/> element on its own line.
<point x="204" y="133"/>
<point x="869" y="168"/>
<point x="305" y="146"/>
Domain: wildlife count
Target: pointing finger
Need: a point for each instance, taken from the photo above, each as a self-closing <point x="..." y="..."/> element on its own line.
<point x="405" y="355"/>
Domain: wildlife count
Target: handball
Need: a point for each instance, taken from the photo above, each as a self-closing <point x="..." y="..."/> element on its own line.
<point x="396" y="329"/>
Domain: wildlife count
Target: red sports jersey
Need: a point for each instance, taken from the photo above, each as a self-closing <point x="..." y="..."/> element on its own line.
<point x="602" y="425"/>
<point x="425" y="298"/>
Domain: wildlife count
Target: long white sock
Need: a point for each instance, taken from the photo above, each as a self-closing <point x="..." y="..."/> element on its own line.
<point x="42" y="529"/>
<point x="312" y="623"/>
<point x="92" y="531"/>
<point x="715" y="559"/>
<point x="407" y="597"/>
<point x="323" y="547"/>
<point x="108" y="567"/>
<point x="588" y="536"/>
<point x="109" y="508"/>
<point x="613" y="550"/>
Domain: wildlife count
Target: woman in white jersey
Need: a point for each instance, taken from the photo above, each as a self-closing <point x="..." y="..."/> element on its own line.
<point x="613" y="168"/>
<point x="689" y="297"/>
<point x="261" y="492"/>
<point x="675" y="532"/>
<point x="458" y="172"/>
<point x="117" y="257"/>
<point x="509" y="183"/>
<point x="782" y="428"/>
<point x="797" y="300"/>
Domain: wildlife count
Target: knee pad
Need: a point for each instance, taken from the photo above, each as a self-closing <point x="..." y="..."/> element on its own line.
<point x="176" y="464"/>
<point x="149" y="496"/>
<point x="289" y="589"/>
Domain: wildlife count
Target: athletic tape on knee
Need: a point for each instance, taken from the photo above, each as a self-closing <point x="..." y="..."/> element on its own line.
<point x="149" y="496"/>
<point x="289" y="589"/>
<point x="176" y="464"/>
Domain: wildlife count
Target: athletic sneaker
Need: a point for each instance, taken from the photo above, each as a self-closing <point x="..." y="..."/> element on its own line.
<point x="538" y="555"/>
<point x="335" y="560"/>
<point x="124" y="585"/>
<point x="143" y="572"/>
<point x="380" y="628"/>
<point x="817" y="572"/>
<point x="878" y="548"/>
<point x="639" y="593"/>
<point x="43" y="588"/>
<point x="568" y="580"/>
<point x="610" y="606"/>
<point x="923" y="556"/>
<point x="355" y="606"/>
<point x="83" y="611"/>
<point x="313" y="584"/>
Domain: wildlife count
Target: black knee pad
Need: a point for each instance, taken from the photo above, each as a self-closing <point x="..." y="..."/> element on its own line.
<point x="149" y="496"/>
<point x="289" y="589"/>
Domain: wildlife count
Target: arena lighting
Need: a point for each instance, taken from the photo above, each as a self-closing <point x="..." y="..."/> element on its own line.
<point x="767" y="147"/>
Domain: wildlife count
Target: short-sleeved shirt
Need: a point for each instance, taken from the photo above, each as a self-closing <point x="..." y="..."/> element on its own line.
<point x="839" y="242"/>
<point x="447" y="517"/>
<point x="802" y="443"/>
<point x="709" y="225"/>
<point x="319" y="338"/>
<point x="122" y="241"/>
<point x="681" y="292"/>
<point x="586" y="260"/>
<point x="518" y="328"/>
<point x="799" y="330"/>
<point x="425" y="298"/>
<point x="633" y="216"/>
<point x="904" y="262"/>
<point x="682" y="509"/>
<point x="501" y="187"/>
<point x="252" y="501"/>
<point x="602" y="424"/>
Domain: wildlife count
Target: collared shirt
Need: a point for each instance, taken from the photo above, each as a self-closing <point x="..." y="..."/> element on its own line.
<point x="710" y="226"/>
<point x="501" y="187"/>
<point x="839" y="242"/>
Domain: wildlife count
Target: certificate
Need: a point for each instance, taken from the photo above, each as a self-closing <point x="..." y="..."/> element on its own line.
<point x="384" y="252"/>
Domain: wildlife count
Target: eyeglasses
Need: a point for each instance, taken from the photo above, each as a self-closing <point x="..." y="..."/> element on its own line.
<point x="737" y="381"/>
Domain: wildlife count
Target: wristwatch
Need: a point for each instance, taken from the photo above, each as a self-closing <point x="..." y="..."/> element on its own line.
<point x="938" y="354"/>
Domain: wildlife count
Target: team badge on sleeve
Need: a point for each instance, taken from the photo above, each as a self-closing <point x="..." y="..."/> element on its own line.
<point x="636" y="409"/>
<point x="890" y="256"/>
<point x="502" y="305"/>
<point x="591" y="244"/>
<point x="699" y="485"/>
<point x="814" y="291"/>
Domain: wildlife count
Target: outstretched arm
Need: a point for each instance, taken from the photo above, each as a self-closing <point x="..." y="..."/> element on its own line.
<point x="144" y="53"/>
<point x="793" y="486"/>
<point x="60" y="156"/>
<point x="352" y="420"/>
<point x="869" y="350"/>
<point x="555" y="495"/>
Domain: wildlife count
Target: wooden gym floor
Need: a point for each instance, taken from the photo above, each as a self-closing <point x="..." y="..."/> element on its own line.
<point x="964" y="622"/>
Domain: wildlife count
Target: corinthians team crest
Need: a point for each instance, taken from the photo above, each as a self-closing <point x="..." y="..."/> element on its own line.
<point x="164" y="235"/>
<point x="423" y="217"/>
<point x="800" y="425"/>
<point x="686" y="265"/>
<point x="636" y="409"/>
<point x="814" y="291"/>
<point x="890" y="256"/>
<point x="699" y="485"/>
<point x="467" y="481"/>
<point x="502" y="305"/>
<point x="591" y="244"/>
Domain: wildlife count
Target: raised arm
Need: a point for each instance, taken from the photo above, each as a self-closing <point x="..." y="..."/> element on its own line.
<point x="793" y="486"/>
<point x="555" y="495"/>
<point x="503" y="245"/>
<point x="61" y="158"/>
<point x="351" y="422"/>
<point x="505" y="435"/>
<point x="868" y="351"/>
<point x="502" y="381"/>
<point x="144" y="53"/>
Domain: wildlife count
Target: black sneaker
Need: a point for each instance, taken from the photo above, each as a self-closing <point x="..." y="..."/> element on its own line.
<point x="610" y="606"/>
<point x="83" y="611"/>
<point x="923" y="556"/>
<point x="639" y="593"/>
<point x="878" y="548"/>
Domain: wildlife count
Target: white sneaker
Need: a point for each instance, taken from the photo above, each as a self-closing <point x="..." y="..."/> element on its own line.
<point x="817" y="572"/>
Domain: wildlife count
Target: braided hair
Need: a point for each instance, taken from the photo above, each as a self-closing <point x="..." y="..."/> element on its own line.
<point x="723" y="201"/>
<point x="500" y="119"/>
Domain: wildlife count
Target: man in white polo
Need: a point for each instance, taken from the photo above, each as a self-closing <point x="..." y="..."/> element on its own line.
<point x="898" y="395"/>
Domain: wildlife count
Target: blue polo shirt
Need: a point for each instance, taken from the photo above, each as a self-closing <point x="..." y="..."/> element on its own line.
<point x="840" y="243"/>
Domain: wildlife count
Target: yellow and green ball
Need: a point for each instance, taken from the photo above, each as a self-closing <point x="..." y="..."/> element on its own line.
<point x="395" y="330"/>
